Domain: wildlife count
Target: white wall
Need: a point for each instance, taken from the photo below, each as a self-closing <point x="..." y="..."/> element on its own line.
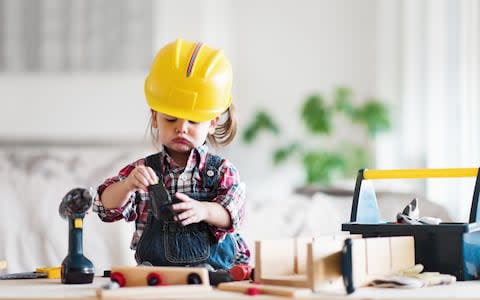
<point x="288" y="49"/>
<point x="72" y="108"/>
<point x="280" y="51"/>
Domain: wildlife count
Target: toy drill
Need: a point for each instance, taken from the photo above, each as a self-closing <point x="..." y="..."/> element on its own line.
<point x="76" y="268"/>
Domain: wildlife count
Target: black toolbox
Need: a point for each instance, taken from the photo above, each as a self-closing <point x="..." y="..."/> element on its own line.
<point x="450" y="248"/>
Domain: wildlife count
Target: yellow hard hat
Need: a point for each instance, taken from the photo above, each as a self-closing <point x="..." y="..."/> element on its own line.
<point x="189" y="81"/>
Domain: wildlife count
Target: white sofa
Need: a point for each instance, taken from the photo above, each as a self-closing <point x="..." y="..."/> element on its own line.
<point x="34" y="180"/>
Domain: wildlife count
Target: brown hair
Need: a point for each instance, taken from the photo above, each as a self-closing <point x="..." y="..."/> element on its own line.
<point x="153" y="132"/>
<point x="224" y="132"/>
<point x="226" y="129"/>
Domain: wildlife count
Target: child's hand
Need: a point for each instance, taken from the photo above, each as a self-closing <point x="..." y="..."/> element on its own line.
<point x="189" y="210"/>
<point x="140" y="178"/>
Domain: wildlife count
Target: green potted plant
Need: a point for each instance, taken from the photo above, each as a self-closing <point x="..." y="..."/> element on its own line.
<point x="331" y="157"/>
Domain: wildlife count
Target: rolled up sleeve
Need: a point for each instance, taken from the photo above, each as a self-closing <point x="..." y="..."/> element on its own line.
<point x="231" y="195"/>
<point x="127" y="211"/>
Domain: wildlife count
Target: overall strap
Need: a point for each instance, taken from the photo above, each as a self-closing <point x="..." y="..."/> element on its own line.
<point x="211" y="173"/>
<point x="154" y="161"/>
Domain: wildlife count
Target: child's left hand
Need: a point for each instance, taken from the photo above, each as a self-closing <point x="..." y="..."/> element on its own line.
<point x="189" y="210"/>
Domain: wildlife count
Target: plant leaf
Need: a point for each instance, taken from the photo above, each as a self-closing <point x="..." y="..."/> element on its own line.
<point x="317" y="115"/>
<point x="343" y="101"/>
<point x="374" y="114"/>
<point x="262" y="122"/>
<point x="321" y="166"/>
<point x="282" y="154"/>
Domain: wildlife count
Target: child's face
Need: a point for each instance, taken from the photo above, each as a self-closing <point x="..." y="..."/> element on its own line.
<point x="181" y="135"/>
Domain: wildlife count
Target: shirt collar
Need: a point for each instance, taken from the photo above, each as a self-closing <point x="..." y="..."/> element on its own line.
<point x="196" y="158"/>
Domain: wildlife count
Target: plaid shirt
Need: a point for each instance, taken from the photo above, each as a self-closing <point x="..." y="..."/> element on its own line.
<point x="230" y="194"/>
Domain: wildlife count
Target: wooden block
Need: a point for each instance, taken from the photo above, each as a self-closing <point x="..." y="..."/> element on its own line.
<point x="324" y="262"/>
<point x="403" y="252"/>
<point x="378" y="256"/>
<point x="243" y="287"/>
<point x="300" y="260"/>
<point x="373" y="257"/>
<point x="359" y="262"/>
<point x="152" y="292"/>
<point x="274" y="257"/>
<point x="274" y="261"/>
<point x="282" y="262"/>
<point x="137" y="276"/>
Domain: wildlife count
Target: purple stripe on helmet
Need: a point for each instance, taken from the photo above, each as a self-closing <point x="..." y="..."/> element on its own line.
<point x="192" y="59"/>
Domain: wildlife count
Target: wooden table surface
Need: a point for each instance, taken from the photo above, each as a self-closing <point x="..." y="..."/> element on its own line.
<point x="42" y="289"/>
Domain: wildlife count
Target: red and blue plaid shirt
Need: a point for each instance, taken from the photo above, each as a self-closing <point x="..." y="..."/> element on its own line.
<point x="230" y="194"/>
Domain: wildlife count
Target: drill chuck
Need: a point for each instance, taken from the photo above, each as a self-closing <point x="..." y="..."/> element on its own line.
<point x="76" y="201"/>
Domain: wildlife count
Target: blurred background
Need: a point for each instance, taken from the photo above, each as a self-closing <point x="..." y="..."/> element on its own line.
<point x="72" y="74"/>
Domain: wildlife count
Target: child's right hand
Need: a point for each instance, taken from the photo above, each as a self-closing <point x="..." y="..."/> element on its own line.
<point x="140" y="178"/>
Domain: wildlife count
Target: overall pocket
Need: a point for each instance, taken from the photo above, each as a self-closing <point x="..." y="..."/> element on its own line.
<point x="186" y="244"/>
<point x="150" y="246"/>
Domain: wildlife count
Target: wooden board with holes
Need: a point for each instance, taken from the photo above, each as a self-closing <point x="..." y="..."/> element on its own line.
<point x="138" y="276"/>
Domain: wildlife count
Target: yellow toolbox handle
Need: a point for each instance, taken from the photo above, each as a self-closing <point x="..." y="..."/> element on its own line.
<point x="420" y="173"/>
<point x="365" y="207"/>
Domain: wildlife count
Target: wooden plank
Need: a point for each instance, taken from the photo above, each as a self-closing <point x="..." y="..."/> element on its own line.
<point x="48" y="289"/>
<point x="295" y="280"/>
<point x="285" y="291"/>
<point x="152" y="292"/>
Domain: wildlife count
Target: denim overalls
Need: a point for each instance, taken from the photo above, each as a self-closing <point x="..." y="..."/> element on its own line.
<point x="169" y="243"/>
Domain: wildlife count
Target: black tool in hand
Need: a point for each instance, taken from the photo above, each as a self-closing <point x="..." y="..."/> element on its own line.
<point x="76" y="268"/>
<point x="161" y="201"/>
